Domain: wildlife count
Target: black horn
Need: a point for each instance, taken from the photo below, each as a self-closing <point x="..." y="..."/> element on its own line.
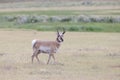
<point x="57" y="31"/>
<point x="64" y="31"/>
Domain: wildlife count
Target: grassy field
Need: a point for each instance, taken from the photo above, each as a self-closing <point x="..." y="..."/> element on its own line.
<point x="82" y="56"/>
<point x="85" y="54"/>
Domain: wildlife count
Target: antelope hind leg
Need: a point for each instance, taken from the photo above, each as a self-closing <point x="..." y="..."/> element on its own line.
<point x="34" y="54"/>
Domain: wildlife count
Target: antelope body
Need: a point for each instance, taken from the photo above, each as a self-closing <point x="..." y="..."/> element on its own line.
<point x="47" y="47"/>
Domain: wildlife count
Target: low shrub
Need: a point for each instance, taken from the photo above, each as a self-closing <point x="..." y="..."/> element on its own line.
<point x="22" y="19"/>
<point x="43" y="18"/>
<point x="10" y="18"/>
<point x="54" y="19"/>
<point x="87" y="3"/>
<point x="83" y="18"/>
<point x="66" y="19"/>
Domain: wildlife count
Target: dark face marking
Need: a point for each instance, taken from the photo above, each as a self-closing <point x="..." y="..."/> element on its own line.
<point x="60" y="35"/>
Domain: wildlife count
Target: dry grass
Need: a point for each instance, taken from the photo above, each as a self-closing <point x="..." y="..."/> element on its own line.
<point x="60" y="8"/>
<point x="83" y="56"/>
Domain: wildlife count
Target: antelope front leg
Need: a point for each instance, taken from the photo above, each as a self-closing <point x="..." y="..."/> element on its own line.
<point x="49" y="58"/>
<point x="53" y="57"/>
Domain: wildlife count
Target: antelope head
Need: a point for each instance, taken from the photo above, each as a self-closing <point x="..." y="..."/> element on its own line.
<point x="60" y="35"/>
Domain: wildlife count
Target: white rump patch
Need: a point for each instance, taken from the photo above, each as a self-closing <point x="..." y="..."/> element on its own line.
<point x="33" y="42"/>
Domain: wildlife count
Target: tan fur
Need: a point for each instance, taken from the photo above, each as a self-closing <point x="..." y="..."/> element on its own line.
<point x="52" y="44"/>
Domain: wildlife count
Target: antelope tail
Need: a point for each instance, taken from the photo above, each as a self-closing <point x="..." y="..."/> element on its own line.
<point x="33" y="42"/>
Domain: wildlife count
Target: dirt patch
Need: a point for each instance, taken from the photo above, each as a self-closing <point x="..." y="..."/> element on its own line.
<point x="8" y="67"/>
<point x="116" y="66"/>
<point x="58" y="63"/>
<point x="113" y="54"/>
<point x="2" y="54"/>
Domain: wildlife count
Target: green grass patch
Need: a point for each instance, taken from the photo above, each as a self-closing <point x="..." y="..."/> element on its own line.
<point x="51" y="26"/>
<point x="70" y="26"/>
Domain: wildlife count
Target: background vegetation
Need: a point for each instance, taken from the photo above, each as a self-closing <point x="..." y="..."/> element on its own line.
<point x="78" y="15"/>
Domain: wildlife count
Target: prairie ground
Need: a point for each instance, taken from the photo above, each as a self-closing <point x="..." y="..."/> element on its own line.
<point x="82" y="56"/>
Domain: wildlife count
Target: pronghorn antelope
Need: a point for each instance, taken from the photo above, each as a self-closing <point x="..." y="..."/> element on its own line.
<point x="48" y="47"/>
